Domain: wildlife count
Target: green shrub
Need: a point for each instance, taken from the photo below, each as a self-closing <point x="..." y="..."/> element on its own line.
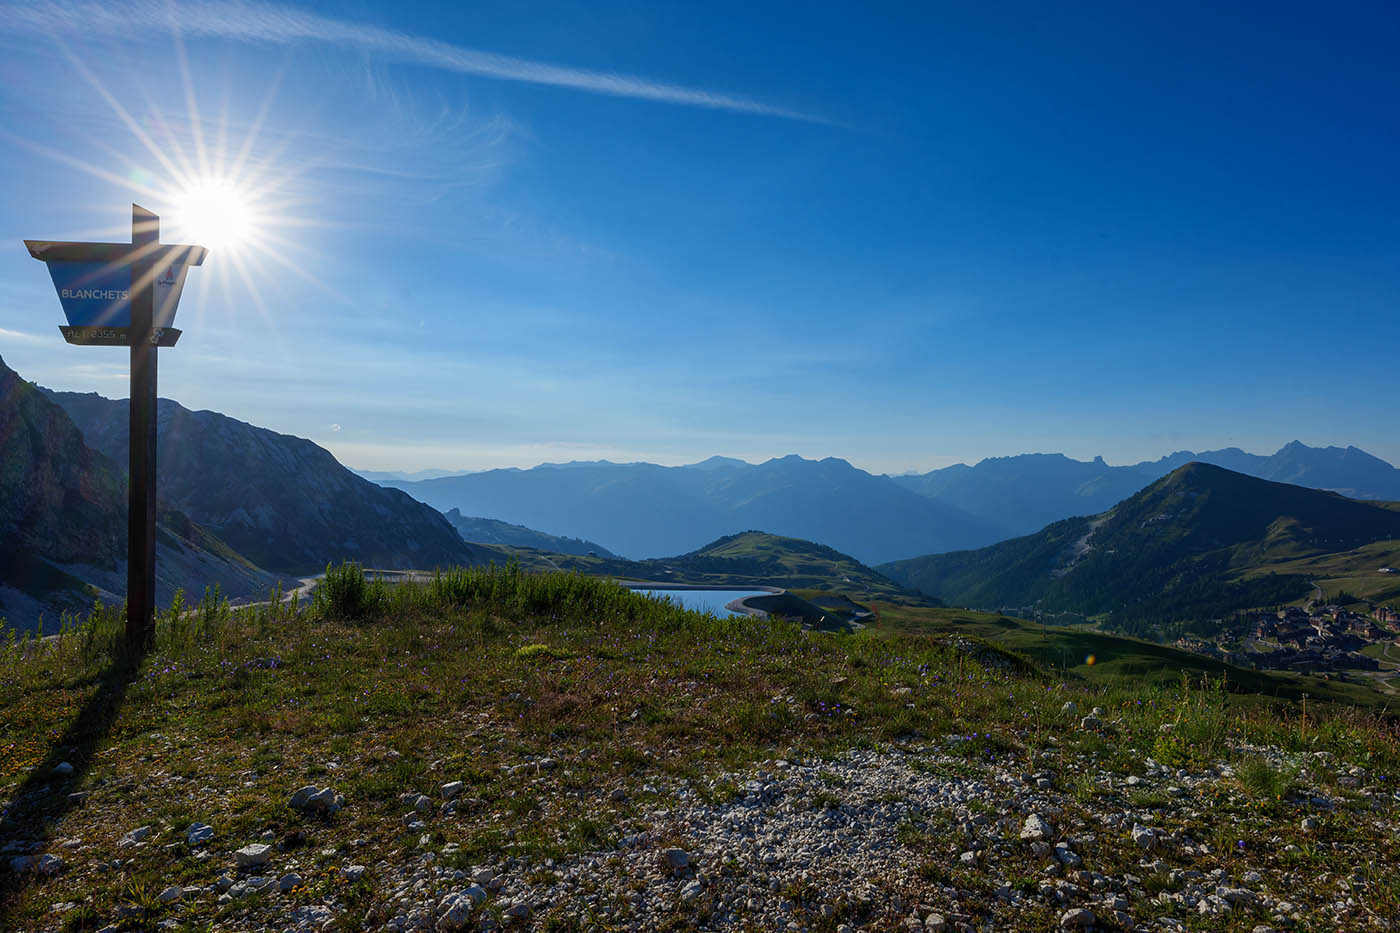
<point x="542" y="653"/>
<point x="345" y="593"/>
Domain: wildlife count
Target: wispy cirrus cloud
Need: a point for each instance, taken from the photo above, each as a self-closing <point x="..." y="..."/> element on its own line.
<point x="284" y="25"/>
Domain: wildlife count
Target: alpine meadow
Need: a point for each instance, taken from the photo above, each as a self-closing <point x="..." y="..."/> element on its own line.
<point x="728" y="467"/>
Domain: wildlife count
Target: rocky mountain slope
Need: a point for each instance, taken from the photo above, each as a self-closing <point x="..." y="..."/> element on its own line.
<point x="281" y="501"/>
<point x="490" y="531"/>
<point x="642" y="510"/>
<point x="1182" y="548"/>
<point x="63" y="522"/>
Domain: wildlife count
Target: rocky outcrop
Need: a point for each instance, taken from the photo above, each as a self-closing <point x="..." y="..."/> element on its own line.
<point x="281" y="501"/>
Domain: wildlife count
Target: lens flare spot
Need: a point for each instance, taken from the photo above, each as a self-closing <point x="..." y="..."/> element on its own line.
<point x="212" y="212"/>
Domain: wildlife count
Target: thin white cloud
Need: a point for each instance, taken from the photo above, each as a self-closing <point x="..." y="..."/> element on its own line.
<point x="20" y="336"/>
<point x="281" y="25"/>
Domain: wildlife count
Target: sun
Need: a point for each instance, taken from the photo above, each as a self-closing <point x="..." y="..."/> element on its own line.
<point x="214" y="213"/>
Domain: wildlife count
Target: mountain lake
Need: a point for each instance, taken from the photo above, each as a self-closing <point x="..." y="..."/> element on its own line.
<point x="701" y="600"/>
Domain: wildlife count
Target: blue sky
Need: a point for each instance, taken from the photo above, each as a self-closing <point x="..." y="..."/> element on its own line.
<point x="509" y="232"/>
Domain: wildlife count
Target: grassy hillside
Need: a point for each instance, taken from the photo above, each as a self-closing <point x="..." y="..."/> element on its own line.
<point x="589" y="726"/>
<point x="746" y="559"/>
<point x="1108" y="660"/>
<point x="1199" y="544"/>
<point x="1356" y="573"/>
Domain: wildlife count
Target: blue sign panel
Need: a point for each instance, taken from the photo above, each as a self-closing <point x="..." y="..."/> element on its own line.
<point x="93" y="294"/>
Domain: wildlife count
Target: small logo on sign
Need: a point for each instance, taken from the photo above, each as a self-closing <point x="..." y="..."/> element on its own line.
<point x="167" y="277"/>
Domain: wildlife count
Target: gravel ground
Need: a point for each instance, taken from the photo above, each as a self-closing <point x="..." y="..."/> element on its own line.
<point x="916" y="837"/>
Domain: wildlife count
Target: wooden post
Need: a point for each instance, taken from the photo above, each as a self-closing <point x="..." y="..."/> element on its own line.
<point x="141" y="261"/>
<point x="141" y="483"/>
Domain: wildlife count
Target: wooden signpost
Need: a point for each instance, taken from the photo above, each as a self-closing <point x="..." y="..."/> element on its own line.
<point x="125" y="295"/>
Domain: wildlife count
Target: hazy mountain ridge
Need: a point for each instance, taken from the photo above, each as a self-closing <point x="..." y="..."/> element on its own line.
<point x="1181" y="548"/>
<point x="476" y="530"/>
<point x="63" y="522"/>
<point x="282" y="501"/>
<point x="1028" y="491"/>
<point x="645" y="509"/>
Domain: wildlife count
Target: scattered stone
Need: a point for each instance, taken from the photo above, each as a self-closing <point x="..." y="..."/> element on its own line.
<point x="1070" y="707"/>
<point x="198" y="834"/>
<point x="1036" y="829"/>
<point x="1143" y="837"/>
<point x="251" y="856"/>
<point x="299" y="799"/>
<point x="288" y="881"/>
<point x="63" y="769"/>
<point x="451" y="789"/>
<point x="171" y="894"/>
<point x="1080" y="918"/>
<point x="138" y="835"/>
<point x="676" y="859"/>
<point x="691" y="891"/>
<point x="353" y="873"/>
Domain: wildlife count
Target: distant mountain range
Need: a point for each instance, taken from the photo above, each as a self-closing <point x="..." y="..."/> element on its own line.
<point x="643" y="510"/>
<point x="63" y="523"/>
<point x="1186" y="547"/>
<point x="379" y="476"/>
<point x="281" y="501"/>
<point x="1027" y="492"/>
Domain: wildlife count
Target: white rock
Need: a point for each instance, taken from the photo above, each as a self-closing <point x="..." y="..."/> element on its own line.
<point x="288" y="881"/>
<point x="1144" y="838"/>
<point x="299" y="799"/>
<point x="198" y="833"/>
<point x="456" y="912"/>
<point x="253" y="855"/>
<point x="354" y="872"/>
<point x="691" y="891"/>
<point x="1079" y="918"/>
<point x="139" y="834"/>
<point x="451" y="789"/>
<point x="676" y="859"/>
<point x="1036" y="829"/>
<point x="1070" y="707"/>
<point x="323" y="801"/>
<point x="171" y="894"/>
<point x="63" y="768"/>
